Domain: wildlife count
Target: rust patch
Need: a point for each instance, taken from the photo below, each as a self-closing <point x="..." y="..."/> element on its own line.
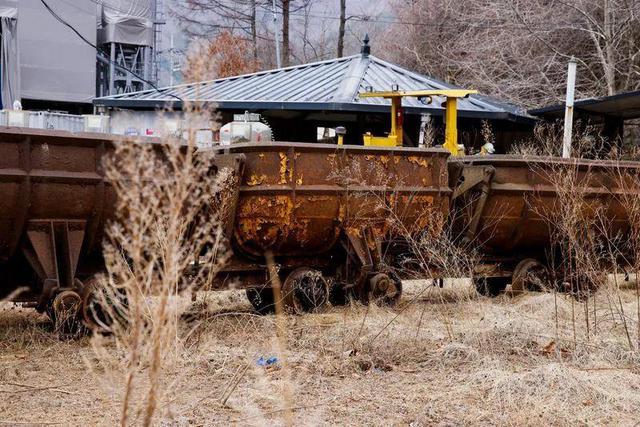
<point x="270" y="222"/>
<point x="354" y="231"/>
<point x="256" y="180"/>
<point x="283" y="168"/>
<point x="420" y="161"/>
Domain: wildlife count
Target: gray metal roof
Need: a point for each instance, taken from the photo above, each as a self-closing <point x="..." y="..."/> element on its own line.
<point x="326" y="85"/>
<point x="623" y="105"/>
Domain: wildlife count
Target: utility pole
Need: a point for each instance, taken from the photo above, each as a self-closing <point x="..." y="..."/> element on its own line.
<point x="568" y="110"/>
<point x="276" y="33"/>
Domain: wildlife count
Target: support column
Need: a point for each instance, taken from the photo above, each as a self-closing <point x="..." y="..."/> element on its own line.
<point x="451" y="126"/>
<point x="112" y="69"/>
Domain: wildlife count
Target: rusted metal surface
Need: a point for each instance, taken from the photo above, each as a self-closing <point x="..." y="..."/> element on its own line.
<point x="296" y="198"/>
<point x="517" y="214"/>
<point x="54" y="207"/>
<point x="49" y="176"/>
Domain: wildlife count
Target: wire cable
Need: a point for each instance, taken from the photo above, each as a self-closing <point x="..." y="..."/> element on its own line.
<point x="104" y="54"/>
<point x="453" y="22"/>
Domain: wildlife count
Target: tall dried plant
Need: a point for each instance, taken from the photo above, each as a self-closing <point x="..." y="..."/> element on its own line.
<point x="418" y="239"/>
<point x="627" y="180"/>
<point x="167" y="224"/>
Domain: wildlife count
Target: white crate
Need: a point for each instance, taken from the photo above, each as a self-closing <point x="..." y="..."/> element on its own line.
<point x="96" y="123"/>
<point x="56" y="121"/>
<point x="14" y="118"/>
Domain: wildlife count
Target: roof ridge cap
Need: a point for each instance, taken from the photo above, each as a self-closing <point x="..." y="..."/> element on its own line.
<point x="353" y="76"/>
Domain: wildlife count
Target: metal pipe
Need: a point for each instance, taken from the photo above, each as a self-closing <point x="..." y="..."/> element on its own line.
<point x="568" y="111"/>
<point x="424" y="119"/>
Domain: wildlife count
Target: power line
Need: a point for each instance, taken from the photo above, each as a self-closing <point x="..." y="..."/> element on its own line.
<point x="106" y="57"/>
<point x="438" y="23"/>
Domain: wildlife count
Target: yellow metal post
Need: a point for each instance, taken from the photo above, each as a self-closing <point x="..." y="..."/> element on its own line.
<point x="451" y="130"/>
<point x="341" y="131"/>
<point x="396" y="124"/>
<point x="394" y="115"/>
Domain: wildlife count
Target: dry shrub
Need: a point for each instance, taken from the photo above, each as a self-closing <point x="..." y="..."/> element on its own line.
<point x="420" y="245"/>
<point x="166" y="240"/>
<point x="487" y="133"/>
<point x="226" y="55"/>
<point x="587" y="142"/>
<point x="627" y="180"/>
<point x="587" y="242"/>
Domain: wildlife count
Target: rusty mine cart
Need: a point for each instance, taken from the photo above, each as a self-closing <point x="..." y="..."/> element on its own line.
<point x="321" y="210"/>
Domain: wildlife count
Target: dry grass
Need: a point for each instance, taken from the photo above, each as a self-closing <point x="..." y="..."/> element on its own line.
<point x="493" y="361"/>
<point x="442" y="356"/>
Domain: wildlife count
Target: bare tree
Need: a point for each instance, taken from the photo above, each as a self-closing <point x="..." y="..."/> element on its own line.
<point x="208" y="18"/>
<point x="286" y="50"/>
<point x="341" y="29"/>
<point x="518" y="49"/>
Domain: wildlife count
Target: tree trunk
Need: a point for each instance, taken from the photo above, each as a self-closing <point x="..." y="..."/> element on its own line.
<point x="286" y="5"/>
<point x="254" y="31"/>
<point x="610" y="61"/>
<point x="341" y="30"/>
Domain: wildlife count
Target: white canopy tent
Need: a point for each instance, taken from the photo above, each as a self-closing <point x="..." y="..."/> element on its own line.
<point x="9" y="56"/>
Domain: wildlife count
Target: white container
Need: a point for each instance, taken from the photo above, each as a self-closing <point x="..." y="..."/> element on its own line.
<point x="249" y="129"/>
<point x="96" y="123"/>
<point x="14" y="118"/>
<point x="56" y="121"/>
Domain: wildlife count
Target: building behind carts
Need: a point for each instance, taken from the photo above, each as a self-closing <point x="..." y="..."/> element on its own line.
<point x="307" y="102"/>
<point x="93" y="67"/>
<point x="60" y="70"/>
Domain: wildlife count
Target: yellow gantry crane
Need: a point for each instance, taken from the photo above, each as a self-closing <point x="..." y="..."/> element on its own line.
<point x="426" y="96"/>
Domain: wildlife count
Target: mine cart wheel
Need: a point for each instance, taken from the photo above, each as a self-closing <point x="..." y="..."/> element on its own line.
<point x="305" y="290"/>
<point x="384" y="289"/>
<point x="95" y="316"/>
<point x="530" y="275"/>
<point x="65" y="314"/>
<point x="490" y="286"/>
<point x="261" y="299"/>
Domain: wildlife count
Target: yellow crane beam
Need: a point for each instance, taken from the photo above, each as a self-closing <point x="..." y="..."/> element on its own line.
<point x="451" y="115"/>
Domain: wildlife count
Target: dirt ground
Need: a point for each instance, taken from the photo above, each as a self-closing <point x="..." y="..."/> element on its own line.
<point x="442" y="357"/>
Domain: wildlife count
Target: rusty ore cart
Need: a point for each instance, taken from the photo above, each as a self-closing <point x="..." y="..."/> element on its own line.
<point x="323" y="212"/>
<point x="320" y="210"/>
<point x="506" y="206"/>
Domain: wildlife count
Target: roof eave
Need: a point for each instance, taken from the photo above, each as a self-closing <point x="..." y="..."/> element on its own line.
<point x="315" y="106"/>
